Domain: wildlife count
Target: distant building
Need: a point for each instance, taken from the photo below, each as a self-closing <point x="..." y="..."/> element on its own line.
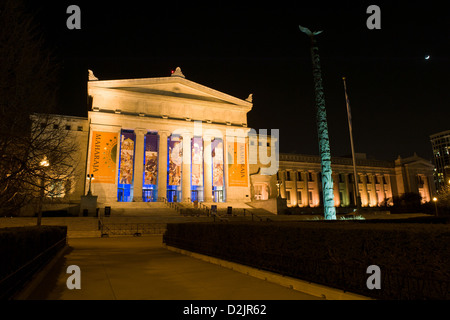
<point x="440" y="143"/>
<point x="378" y="181"/>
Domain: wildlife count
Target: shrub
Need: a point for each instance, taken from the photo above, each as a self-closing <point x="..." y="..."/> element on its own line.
<point x="21" y="249"/>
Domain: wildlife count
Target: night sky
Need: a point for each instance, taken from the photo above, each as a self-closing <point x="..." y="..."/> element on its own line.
<point x="397" y="97"/>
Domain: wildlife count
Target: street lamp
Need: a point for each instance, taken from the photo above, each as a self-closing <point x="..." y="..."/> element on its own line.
<point x="90" y="177"/>
<point x="435" y="205"/>
<point x="43" y="164"/>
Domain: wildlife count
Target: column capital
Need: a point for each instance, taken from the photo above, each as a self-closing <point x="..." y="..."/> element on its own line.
<point x="164" y="132"/>
<point x="140" y="131"/>
<point x="208" y="137"/>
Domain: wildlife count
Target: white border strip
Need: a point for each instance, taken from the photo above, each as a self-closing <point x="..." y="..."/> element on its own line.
<point x="313" y="289"/>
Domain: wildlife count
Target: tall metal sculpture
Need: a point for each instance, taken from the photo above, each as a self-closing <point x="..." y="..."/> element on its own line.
<point x="322" y="129"/>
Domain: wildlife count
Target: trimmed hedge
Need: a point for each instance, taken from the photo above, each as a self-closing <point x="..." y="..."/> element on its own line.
<point x="24" y="250"/>
<point x="414" y="258"/>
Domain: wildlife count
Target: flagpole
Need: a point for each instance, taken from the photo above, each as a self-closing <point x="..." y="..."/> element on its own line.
<point x="349" y="117"/>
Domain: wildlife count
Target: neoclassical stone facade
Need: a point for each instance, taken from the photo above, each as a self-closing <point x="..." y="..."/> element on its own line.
<point x="169" y="138"/>
<point x="378" y="181"/>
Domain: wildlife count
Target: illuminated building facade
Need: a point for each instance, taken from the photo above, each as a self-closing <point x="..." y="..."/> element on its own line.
<point x="378" y="181"/>
<point x="440" y="143"/>
<point x="169" y="138"/>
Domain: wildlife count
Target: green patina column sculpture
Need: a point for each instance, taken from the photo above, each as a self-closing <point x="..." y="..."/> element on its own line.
<point x="322" y="129"/>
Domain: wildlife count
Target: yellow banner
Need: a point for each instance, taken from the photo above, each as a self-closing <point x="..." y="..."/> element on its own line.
<point x="237" y="164"/>
<point x="103" y="157"/>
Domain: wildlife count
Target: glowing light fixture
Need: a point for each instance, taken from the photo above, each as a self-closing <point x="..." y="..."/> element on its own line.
<point x="44" y="162"/>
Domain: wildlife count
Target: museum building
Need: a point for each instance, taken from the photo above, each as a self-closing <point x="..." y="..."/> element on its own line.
<point x="172" y="139"/>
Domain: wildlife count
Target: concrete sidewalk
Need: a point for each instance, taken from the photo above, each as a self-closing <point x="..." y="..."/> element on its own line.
<point x="141" y="268"/>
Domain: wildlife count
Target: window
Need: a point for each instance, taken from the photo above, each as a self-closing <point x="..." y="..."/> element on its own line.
<point x="288" y="176"/>
<point x="299" y="197"/>
<point x="55" y="126"/>
<point x="299" y="176"/>
<point x="310" y="198"/>
<point x="288" y="195"/>
<point x="261" y="191"/>
<point x="341" y="178"/>
<point x="420" y="180"/>
<point x="258" y="191"/>
<point x="80" y="128"/>
<point x="310" y="177"/>
<point x="67" y="127"/>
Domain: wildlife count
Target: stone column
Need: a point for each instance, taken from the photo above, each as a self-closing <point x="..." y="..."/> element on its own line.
<point x="318" y="188"/>
<point x="337" y="201"/>
<point x="364" y="193"/>
<point x="294" y="197"/>
<point x="186" y="167"/>
<point x="426" y="188"/>
<point x="283" y="184"/>
<point x="306" y="189"/>
<point x="347" y="190"/>
<point x="138" y="165"/>
<point x="374" y="194"/>
<point x="207" y="171"/>
<point x="162" y="165"/>
<point x="382" y="192"/>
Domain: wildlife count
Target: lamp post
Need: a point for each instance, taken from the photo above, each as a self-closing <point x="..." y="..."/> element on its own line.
<point x="90" y="177"/>
<point x="435" y="205"/>
<point x="43" y="164"/>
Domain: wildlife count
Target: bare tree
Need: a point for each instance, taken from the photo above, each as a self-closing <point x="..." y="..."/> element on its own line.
<point x="29" y="134"/>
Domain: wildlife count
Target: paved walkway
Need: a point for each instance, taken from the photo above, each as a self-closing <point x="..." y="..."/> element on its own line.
<point x="141" y="268"/>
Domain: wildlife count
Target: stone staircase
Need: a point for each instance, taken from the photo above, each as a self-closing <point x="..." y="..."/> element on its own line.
<point x="137" y="209"/>
<point x="144" y="213"/>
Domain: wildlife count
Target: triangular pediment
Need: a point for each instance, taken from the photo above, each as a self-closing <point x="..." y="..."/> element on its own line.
<point x="168" y="87"/>
<point x="173" y="97"/>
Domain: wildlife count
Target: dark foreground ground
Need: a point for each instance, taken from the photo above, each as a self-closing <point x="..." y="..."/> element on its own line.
<point x="141" y="268"/>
